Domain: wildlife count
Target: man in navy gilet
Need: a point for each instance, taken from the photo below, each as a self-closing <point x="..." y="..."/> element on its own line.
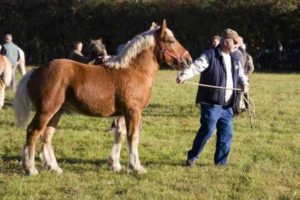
<point x="219" y="66"/>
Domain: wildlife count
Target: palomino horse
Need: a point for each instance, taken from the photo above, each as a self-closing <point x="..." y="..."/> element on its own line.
<point x="122" y="87"/>
<point x="5" y="77"/>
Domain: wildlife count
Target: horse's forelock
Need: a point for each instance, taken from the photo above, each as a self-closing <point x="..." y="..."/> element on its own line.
<point x="170" y="33"/>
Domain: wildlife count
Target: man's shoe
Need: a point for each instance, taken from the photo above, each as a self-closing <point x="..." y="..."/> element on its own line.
<point x="190" y="162"/>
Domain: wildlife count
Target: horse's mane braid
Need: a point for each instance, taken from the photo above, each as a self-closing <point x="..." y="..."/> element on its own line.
<point x="131" y="50"/>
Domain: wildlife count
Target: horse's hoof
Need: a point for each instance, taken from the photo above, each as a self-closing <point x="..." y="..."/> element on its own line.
<point x="56" y="170"/>
<point x="116" y="167"/>
<point x="137" y="170"/>
<point x="31" y="172"/>
<point x="142" y="170"/>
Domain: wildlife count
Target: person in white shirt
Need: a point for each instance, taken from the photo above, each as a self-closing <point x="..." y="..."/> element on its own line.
<point x="221" y="67"/>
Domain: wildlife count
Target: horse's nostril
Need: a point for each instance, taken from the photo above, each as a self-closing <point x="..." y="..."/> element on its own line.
<point x="189" y="61"/>
<point x="185" y="63"/>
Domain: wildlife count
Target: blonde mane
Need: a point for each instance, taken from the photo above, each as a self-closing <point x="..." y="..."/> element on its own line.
<point x="131" y="49"/>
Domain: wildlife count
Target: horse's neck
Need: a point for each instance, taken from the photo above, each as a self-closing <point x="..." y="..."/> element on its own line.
<point x="147" y="63"/>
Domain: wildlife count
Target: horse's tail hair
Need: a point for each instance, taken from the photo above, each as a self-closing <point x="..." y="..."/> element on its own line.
<point x="22" y="103"/>
<point x="7" y="73"/>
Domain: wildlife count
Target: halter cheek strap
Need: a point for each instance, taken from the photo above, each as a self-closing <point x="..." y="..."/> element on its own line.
<point x="165" y="51"/>
<point x="174" y="55"/>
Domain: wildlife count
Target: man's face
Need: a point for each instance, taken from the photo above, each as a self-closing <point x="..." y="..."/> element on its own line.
<point x="7" y="39"/>
<point x="228" y="44"/>
<point x="79" y="46"/>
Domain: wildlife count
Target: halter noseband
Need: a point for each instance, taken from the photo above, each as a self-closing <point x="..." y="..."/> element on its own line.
<point x="165" y="51"/>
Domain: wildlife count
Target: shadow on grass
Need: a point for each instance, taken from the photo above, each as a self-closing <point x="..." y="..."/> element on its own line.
<point x="8" y="103"/>
<point x="75" y="165"/>
<point x="173" y="163"/>
<point x="13" y="164"/>
<point x="11" y="158"/>
<point x="73" y="161"/>
<point x="7" y="122"/>
<point x="161" y="110"/>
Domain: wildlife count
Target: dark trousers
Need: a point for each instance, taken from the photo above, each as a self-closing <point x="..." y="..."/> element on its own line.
<point x="212" y="117"/>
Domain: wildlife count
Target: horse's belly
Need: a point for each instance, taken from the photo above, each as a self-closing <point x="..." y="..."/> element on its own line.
<point x="92" y="107"/>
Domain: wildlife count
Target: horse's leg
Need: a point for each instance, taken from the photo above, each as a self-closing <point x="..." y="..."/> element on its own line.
<point x="133" y="121"/>
<point x="120" y="133"/>
<point x="34" y="130"/>
<point x="47" y="155"/>
<point x="2" y="93"/>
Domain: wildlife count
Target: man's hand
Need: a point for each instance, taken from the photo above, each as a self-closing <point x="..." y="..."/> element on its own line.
<point x="245" y="88"/>
<point x="179" y="79"/>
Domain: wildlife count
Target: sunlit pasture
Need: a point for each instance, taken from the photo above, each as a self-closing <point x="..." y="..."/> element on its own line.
<point x="263" y="163"/>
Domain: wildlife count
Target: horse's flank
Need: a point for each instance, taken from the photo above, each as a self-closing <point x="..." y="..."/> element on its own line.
<point x="91" y="90"/>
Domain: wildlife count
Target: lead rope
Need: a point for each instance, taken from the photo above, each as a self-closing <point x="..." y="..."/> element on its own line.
<point x="250" y="108"/>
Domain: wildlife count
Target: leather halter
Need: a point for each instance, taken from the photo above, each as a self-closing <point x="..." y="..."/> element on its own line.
<point x="165" y="51"/>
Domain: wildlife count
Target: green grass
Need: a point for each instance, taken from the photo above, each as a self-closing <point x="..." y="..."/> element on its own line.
<point x="264" y="161"/>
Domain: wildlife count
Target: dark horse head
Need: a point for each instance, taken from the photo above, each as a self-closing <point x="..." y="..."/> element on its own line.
<point x="97" y="51"/>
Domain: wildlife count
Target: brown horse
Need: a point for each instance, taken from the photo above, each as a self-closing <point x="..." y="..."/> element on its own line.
<point x="5" y="77"/>
<point x="120" y="88"/>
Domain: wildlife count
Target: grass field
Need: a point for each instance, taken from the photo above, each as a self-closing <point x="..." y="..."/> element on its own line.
<point x="264" y="160"/>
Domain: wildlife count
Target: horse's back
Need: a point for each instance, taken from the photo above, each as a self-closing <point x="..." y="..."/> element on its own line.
<point x="88" y="89"/>
<point x="68" y="70"/>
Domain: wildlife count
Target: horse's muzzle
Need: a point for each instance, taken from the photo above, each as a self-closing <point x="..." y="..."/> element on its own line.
<point x="186" y="62"/>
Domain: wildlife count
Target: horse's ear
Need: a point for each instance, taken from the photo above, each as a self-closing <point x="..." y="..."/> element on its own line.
<point x="154" y="26"/>
<point x="163" y="28"/>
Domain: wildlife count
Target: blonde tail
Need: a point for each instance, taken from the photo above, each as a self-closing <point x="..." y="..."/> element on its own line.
<point x="22" y="103"/>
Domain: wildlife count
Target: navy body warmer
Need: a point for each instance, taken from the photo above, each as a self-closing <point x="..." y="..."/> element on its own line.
<point x="216" y="75"/>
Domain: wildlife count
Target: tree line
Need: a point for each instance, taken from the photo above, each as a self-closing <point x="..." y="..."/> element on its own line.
<point x="47" y="29"/>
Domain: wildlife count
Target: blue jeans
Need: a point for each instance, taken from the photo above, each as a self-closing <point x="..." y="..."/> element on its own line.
<point x="214" y="116"/>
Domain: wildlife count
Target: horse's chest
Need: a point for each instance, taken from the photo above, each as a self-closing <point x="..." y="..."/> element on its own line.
<point x="138" y="97"/>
